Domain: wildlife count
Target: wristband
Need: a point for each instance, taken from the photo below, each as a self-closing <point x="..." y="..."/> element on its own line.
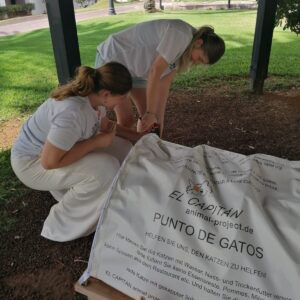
<point x="147" y="113"/>
<point x="155" y="129"/>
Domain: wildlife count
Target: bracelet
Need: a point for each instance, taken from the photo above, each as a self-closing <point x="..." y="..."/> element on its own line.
<point x="147" y="113"/>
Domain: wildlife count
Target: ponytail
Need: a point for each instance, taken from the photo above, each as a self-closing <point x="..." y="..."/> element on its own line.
<point x="213" y="46"/>
<point x="112" y="76"/>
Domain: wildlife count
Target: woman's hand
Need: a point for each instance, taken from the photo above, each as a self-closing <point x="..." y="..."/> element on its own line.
<point x="107" y="125"/>
<point x="147" y="122"/>
<point x="129" y="134"/>
<point x="135" y="136"/>
<point x="105" y="139"/>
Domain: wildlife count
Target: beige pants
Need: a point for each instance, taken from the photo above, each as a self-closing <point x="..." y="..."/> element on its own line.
<point x="80" y="189"/>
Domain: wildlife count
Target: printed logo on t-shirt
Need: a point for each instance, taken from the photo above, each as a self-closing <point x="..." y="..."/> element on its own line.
<point x="172" y="66"/>
<point x="95" y="128"/>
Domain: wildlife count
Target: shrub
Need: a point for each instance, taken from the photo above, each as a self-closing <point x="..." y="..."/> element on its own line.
<point x="3" y="13"/>
<point x="288" y="15"/>
<point x="16" y="10"/>
<point x="29" y="7"/>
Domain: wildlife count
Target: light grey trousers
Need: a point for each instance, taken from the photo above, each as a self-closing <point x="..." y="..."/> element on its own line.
<point x="80" y="189"/>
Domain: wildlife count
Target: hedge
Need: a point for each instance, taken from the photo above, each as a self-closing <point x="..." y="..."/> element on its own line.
<point x="11" y="11"/>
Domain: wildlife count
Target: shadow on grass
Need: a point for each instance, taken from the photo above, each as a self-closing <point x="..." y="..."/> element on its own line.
<point x="30" y="55"/>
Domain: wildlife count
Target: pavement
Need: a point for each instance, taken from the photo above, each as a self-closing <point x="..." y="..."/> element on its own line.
<point x="29" y="23"/>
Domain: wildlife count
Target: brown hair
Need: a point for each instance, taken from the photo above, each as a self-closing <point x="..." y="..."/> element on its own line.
<point x="112" y="76"/>
<point x="213" y="46"/>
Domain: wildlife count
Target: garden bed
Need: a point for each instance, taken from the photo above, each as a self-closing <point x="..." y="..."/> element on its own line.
<point x="35" y="268"/>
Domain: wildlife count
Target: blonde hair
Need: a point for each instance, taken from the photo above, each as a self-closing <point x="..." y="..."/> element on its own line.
<point x="213" y="46"/>
<point x="112" y="76"/>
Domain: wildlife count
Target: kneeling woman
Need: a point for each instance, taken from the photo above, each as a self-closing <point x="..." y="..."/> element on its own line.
<point x="67" y="148"/>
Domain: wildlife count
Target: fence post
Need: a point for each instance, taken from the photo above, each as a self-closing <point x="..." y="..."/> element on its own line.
<point x="265" y="21"/>
<point x="63" y="30"/>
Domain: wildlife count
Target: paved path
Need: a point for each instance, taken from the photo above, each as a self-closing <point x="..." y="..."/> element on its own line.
<point x="30" y="23"/>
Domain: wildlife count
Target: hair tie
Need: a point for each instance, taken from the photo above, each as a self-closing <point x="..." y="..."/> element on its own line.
<point x="204" y="36"/>
<point x="95" y="73"/>
<point x="96" y="78"/>
<point x="210" y="32"/>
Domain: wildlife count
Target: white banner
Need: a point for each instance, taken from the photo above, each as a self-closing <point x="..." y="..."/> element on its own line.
<point x="200" y="223"/>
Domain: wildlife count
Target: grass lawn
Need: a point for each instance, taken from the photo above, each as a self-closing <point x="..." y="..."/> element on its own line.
<point x="28" y="70"/>
<point x="104" y="4"/>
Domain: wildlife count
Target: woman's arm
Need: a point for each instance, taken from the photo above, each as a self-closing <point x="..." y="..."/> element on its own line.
<point x="121" y="131"/>
<point x="53" y="157"/>
<point x="164" y="89"/>
<point x="158" y="67"/>
<point x="157" y="93"/>
<point x="129" y="134"/>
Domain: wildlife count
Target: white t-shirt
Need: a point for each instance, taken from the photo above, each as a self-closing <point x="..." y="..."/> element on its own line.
<point x="62" y="123"/>
<point x="138" y="46"/>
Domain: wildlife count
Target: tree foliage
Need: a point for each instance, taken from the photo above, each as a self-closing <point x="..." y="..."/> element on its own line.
<point x="82" y="3"/>
<point x="288" y="15"/>
<point x="149" y="6"/>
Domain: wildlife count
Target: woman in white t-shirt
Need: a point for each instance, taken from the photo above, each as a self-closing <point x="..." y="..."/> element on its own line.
<point x="68" y="147"/>
<point x="154" y="51"/>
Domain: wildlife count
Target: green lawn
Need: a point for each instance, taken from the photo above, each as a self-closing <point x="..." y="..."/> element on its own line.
<point x="28" y="70"/>
<point x="103" y="4"/>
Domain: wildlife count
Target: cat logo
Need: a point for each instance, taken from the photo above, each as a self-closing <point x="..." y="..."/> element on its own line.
<point x="172" y="66"/>
<point x="196" y="189"/>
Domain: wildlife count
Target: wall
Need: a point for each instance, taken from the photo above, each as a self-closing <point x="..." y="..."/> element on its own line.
<point x="40" y="6"/>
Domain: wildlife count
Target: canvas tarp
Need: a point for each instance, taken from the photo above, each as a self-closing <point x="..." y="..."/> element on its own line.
<point x="200" y="223"/>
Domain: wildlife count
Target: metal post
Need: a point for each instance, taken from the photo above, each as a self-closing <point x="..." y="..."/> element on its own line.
<point x="160" y="5"/>
<point x="111" y="8"/>
<point x="265" y="22"/>
<point x="64" y="37"/>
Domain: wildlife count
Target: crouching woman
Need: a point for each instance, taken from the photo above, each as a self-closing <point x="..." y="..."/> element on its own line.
<point x="68" y="148"/>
